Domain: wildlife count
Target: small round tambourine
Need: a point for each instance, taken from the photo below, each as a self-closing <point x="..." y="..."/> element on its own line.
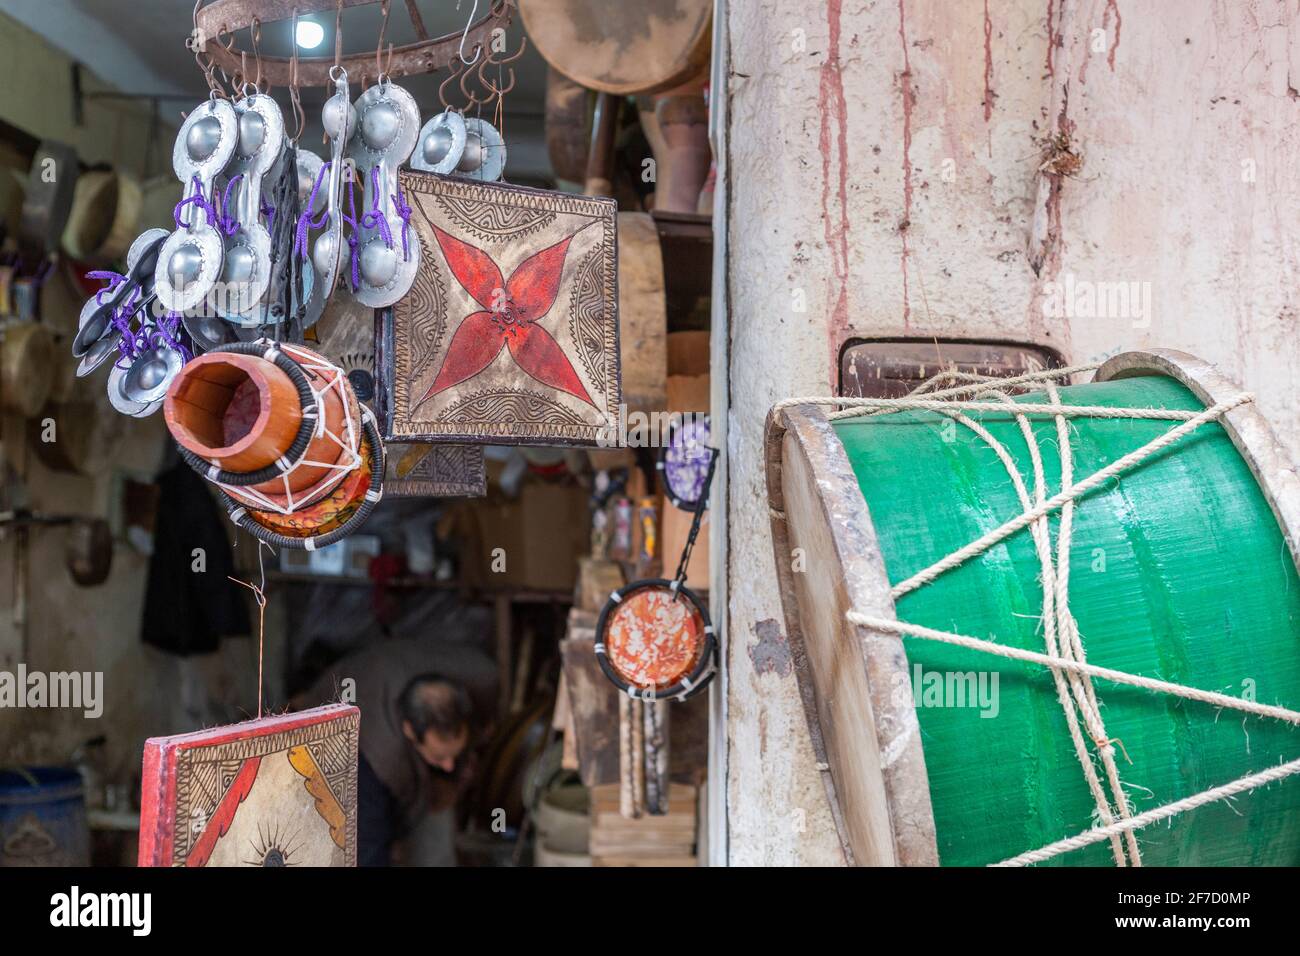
<point x="654" y="641"/>
<point x="684" y="461"/>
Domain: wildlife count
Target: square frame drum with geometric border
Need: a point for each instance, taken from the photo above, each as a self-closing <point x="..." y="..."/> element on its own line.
<point x="509" y="334"/>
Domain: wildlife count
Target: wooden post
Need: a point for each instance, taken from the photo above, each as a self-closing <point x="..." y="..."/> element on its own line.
<point x="505" y="645"/>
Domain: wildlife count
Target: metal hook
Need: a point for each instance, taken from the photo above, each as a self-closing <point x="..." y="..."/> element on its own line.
<point x="381" y="69"/>
<point x="295" y="98"/>
<point x="478" y="50"/>
<point x="471" y="98"/>
<point x="523" y="45"/>
<point x="500" y="92"/>
<point x="255" y="34"/>
<point x="453" y="70"/>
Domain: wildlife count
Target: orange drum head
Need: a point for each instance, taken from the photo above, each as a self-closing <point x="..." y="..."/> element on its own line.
<point x="654" y="641"/>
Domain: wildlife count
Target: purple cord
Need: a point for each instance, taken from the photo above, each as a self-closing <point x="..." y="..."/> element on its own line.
<point x="305" y="221"/>
<point x="121" y="320"/>
<point x="376" y="218"/>
<point x="168" y="330"/>
<point x="228" y="223"/>
<point x="114" y="279"/>
<point x="198" y="199"/>
<point x="126" y="354"/>
<point x="352" y="236"/>
<point x="404" y="211"/>
<point x="268" y="213"/>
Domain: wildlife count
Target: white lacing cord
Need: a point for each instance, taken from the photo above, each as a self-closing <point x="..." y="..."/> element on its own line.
<point x="1065" y="653"/>
<point x="349" y="459"/>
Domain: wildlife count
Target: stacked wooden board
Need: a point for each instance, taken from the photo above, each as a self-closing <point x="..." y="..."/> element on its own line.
<point x="648" y="840"/>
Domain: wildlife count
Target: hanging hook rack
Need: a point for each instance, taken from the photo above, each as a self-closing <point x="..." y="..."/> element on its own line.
<point x="217" y="18"/>
<point x="488" y="60"/>
<point x="462" y="75"/>
<point x="295" y="97"/>
<point x="255" y="35"/>
<point x="453" y="72"/>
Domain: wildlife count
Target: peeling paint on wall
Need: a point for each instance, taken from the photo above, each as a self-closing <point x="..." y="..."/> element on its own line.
<point x="771" y="652"/>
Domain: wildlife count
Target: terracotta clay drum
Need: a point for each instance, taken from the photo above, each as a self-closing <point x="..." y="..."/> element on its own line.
<point x="1182" y="569"/>
<point x="330" y="478"/>
<point x="327" y="514"/>
<point x="242" y="413"/>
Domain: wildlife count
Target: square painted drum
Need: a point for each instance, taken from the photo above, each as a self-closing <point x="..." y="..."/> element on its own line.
<point x="279" y="791"/>
<point x="509" y="334"/>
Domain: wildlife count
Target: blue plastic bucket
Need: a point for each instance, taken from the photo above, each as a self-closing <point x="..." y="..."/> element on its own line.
<point x="43" y="818"/>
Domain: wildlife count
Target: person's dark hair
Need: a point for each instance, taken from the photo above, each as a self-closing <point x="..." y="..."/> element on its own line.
<point x="432" y="702"/>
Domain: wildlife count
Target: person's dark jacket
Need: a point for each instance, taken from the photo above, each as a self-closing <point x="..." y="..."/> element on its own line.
<point x="401" y="788"/>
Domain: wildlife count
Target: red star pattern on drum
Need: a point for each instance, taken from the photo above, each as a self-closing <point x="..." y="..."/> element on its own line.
<point x="512" y="310"/>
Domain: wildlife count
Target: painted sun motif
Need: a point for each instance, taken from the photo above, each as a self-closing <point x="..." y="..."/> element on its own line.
<point x="271" y="848"/>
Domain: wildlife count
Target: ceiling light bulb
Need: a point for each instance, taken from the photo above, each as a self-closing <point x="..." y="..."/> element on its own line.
<point x="309" y="34"/>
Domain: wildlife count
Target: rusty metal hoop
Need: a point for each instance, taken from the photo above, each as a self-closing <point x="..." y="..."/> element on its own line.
<point x="428" y="55"/>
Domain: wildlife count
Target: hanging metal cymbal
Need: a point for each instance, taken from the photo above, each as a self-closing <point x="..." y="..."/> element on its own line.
<point x="441" y="143"/>
<point x="484" y="157"/>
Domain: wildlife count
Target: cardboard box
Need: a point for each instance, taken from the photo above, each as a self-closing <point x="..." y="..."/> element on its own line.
<point x="533" y="542"/>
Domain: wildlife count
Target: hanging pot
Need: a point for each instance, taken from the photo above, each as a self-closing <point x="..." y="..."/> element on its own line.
<point x="89" y="551"/>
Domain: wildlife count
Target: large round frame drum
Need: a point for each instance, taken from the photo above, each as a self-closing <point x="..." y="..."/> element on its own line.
<point x="1184" y="568"/>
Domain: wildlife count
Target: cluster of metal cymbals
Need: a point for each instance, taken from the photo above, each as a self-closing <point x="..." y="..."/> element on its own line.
<point x="219" y="276"/>
<point x="205" y="282"/>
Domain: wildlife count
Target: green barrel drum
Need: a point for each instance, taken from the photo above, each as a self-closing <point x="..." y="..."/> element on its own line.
<point x="1182" y="568"/>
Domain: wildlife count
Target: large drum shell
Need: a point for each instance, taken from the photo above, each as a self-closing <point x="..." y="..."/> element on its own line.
<point x="27" y="363"/>
<point x="105" y="215"/>
<point x="1198" y="585"/>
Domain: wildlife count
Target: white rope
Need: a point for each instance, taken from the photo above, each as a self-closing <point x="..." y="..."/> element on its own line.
<point x="350" y="444"/>
<point x="1155" y="815"/>
<point x="1070" y="692"/>
<point x="1065" y="655"/>
<point x="1155" y="685"/>
<point x="986" y="541"/>
<point x="849" y="405"/>
<point x="1040" y="408"/>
